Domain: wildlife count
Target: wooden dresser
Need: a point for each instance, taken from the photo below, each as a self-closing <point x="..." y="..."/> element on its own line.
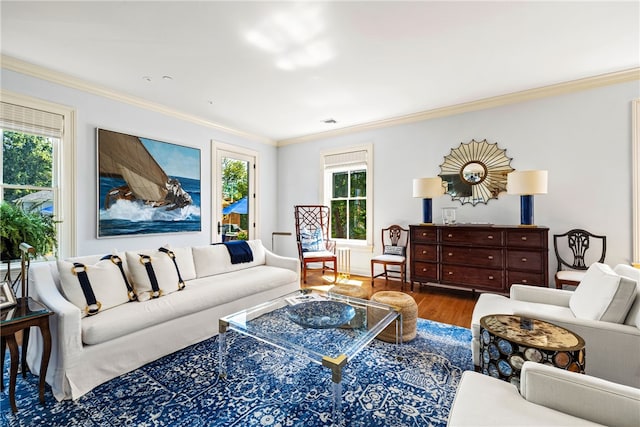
<point x="483" y="257"/>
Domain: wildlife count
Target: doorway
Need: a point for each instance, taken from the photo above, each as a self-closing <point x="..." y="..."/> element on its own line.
<point x="235" y="194"/>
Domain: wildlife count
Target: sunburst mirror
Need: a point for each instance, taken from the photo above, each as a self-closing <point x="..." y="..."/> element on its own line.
<point x="475" y="172"/>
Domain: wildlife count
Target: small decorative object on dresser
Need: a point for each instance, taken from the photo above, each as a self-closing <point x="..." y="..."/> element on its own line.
<point x="479" y="257"/>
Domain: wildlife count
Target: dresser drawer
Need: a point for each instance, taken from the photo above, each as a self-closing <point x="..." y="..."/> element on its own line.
<point x="424" y="234"/>
<point x="526" y="239"/>
<point x="425" y="252"/>
<point x="485" y="237"/>
<point x="524" y="260"/>
<point x="524" y="278"/>
<point x="472" y="256"/>
<point x="424" y="271"/>
<point x="472" y="277"/>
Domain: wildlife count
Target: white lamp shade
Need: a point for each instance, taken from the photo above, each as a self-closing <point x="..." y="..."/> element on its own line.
<point x="428" y="188"/>
<point x="527" y="182"/>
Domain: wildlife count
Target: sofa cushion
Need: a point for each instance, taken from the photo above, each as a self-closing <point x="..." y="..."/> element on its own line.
<point x="105" y="280"/>
<point x="184" y="258"/>
<point x="603" y="295"/>
<point x="198" y="295"/>
<point x="215" y="259"/>
<point x="164" y="270"/>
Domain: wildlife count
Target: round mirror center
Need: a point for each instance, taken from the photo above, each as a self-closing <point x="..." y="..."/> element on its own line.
<point x="474" y="173"/>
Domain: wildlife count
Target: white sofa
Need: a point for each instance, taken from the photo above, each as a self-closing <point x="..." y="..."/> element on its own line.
<point x="549" y="397"/>
<point x="90" y="350"/>
<point x="612" y="346"/>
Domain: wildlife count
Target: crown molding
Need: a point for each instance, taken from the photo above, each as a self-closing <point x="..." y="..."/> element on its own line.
<point x="23" y="67"/>
<point x="43" y="73"/>
<point x="482" y="104"/>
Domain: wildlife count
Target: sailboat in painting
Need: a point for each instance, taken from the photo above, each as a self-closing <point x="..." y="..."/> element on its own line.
<point x="125" y="157"/>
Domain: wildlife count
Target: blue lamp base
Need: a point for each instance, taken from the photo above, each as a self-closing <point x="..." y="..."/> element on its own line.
<point x="426" y="211"/>
<point x="526" y="210"/>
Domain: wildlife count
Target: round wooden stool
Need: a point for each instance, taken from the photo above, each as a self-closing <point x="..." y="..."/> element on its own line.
<point x="350" y="291"/>
<point x="406" y="305"/>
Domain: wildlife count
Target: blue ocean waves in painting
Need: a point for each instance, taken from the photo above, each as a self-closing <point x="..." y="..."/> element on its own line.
<point x="413" y="384"/>
<point x="134" y="217"/>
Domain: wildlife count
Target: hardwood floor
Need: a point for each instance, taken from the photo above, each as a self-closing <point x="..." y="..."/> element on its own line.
<point x="442" y="305"/>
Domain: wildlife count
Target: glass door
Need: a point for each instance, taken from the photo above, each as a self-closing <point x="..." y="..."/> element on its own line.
<point x="235" y="198"/>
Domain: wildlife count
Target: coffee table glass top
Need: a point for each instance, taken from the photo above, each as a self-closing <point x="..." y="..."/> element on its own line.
<point x="326" y="326"/>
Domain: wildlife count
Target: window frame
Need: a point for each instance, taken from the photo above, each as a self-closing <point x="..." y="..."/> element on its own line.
<point x="64" y="169"/>
<point x="326" y="172"/>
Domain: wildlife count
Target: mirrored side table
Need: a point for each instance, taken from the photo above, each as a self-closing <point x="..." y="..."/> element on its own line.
<point x="22" y="317"/>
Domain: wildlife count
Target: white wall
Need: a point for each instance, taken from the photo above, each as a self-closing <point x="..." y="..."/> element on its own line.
<point x="583" y="139"/>
<point x="94" y="111"/>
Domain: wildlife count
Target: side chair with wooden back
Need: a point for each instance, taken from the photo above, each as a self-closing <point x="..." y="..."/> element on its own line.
<point x="312" y="237"/>
<point x="395" y="240"/>
<point x="571" y="250"/>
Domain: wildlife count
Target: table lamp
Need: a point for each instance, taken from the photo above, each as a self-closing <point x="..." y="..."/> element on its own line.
<point x="427" y="188"/>
<point x="526" y="184"/>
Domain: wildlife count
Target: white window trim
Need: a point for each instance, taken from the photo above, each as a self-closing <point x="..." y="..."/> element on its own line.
<point x="326" y="197"/>
<point x="64" y="169"/>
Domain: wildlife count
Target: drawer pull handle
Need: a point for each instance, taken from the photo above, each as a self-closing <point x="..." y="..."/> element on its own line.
<point x="523" y="238"/>
<point x="490" y="277"/>
<point x="450" y="254"/>
<point x="524" y="259"/>
<point x="490" y="257"/>
<point x="449" y="235"/>
<point x="424" y="252"/>
<point x="525" y="281"/>
<point x="490" y="237"/>
<point x="424" y="269"/>
<point x="451" y="273"/>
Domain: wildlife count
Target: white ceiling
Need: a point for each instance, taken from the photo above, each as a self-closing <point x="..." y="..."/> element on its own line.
<point x="278" y="69"/>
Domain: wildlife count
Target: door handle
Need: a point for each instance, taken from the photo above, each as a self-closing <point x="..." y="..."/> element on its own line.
<point x="219" y="227"/>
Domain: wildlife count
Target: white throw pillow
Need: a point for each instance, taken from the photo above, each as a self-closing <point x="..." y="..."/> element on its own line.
<point x="163" y="268"/>
<point x="184" y="258"/>
<point x="105" y="279"/>
<point x="603" y="295"/>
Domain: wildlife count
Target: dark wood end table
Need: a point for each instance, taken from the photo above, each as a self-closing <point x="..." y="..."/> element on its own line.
<point x="507" y="341"/>
<point x="22" y="317"/>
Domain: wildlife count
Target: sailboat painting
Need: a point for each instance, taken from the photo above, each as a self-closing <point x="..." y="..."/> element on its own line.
<point x="146" y="186"/>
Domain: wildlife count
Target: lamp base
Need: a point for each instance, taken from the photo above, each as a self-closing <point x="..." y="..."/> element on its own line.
<point x="526" y="210"/>
<point x="426" y="211"/>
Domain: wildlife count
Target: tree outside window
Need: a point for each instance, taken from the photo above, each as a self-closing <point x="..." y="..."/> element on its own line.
<point x="349" y="204"/>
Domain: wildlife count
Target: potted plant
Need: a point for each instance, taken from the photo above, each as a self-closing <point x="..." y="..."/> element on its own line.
<point x="18" y="226"/>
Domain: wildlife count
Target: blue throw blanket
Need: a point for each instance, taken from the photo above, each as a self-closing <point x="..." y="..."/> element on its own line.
<point x="239" y="251"/>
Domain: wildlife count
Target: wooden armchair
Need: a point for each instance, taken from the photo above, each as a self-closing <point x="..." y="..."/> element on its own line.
<point x="575" y="244"/>
<point x="395" y="240"/>
<point x="312" y="237"/>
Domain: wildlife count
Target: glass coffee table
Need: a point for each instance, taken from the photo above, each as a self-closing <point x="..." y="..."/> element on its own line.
<point x="328" y="329"/>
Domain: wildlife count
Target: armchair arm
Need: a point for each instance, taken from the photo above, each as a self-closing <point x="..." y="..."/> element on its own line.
<point x="540" y="295"/>
<point x="331" y="246"/>
<point x="582" y="396"/>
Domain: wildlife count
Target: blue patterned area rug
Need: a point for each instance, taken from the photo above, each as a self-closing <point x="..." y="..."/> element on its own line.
<point x="266" y="387"/>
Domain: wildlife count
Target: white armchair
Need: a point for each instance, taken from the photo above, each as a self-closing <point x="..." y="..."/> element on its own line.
<point x="549" y="397"/>
<point x="612" y="349"/>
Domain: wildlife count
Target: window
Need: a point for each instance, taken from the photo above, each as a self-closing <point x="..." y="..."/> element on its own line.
<point x="347" y="190"/>
<point x="31" y="161"/>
